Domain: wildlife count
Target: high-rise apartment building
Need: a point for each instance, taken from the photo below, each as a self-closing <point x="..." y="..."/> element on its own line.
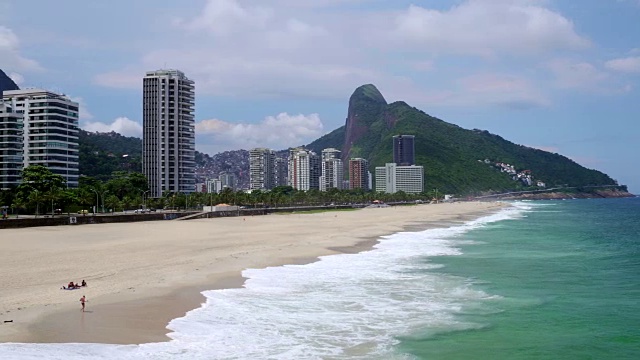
<point x="304" y="169"/>
<point x="330" y="153"/>
<point x="392" y="178"/>
<point x="214" y="186"/>
<point x="11" y="146"/>
<point x="332" y="170"/>
<point x="280" y="172"/>
<point x="50" y="131"/>
<point x="358" y="174"/>
<point x="261" y="169"/>
<point x="227" y="180"/>
<point x="168" y="141"/>
<point x="404" y="150"/>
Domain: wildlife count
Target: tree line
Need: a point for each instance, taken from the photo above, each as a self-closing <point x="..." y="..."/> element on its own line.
<point x="44" y="193"/>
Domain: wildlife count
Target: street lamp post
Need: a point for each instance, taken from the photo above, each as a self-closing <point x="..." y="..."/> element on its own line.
<point x="144" y="203"/>
<point x="103" y="193"/>
<point x="97" y="202"/>
<point x="37" y="203"/>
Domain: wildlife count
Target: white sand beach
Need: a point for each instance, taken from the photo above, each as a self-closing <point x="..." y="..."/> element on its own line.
<point x="142" y="275"/>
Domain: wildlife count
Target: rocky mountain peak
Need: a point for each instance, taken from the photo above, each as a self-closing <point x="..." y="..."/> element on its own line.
<point x="6" y="83"/>
<point x="366" y="106"/>
<point x="369" y="93"/>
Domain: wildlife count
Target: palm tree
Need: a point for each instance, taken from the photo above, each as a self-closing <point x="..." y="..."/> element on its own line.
<point x="112" y="202"/>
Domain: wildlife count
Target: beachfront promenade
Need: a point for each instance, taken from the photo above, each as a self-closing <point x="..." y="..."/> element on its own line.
<point x="131" y="216"/>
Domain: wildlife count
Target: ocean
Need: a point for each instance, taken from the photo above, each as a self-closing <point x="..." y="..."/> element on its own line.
<point x="537" y="280"/>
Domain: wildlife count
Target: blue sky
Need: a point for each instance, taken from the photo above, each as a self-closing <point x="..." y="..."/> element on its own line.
<point x="558" y="75"/>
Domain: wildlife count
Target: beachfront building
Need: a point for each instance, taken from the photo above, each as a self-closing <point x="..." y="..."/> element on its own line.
<point x="214" y="186"/>
<point x="392" y="178"/>
<point x="358" y="174"/>
<point x="332" y="170"/>
<point x="201" y="187"/>
<point x="49" y="131"/>
<point x="11" y="143"/>
<point x="261" y="169"/>
<point x="304" y="169"/>
<point x="227" y="180"/>
<point x="168" y="138"/>
<point x="280" y="172"/>
<point x="404" y="150"/>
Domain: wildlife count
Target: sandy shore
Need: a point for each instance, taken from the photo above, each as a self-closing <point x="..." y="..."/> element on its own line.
<point x="142" y="275"/>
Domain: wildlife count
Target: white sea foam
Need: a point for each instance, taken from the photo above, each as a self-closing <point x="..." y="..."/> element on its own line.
<point x="351" y="306"/>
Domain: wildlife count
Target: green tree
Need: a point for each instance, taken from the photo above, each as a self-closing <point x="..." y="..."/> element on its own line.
<point x="127" y="184"/>
<point x="39" y="184"/>
<point x="112" y="202"/>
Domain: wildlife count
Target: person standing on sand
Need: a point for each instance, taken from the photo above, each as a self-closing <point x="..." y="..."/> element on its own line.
<point x="82" y="301"/>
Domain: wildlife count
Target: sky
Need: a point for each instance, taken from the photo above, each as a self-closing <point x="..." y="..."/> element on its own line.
<point x="558" y="75"/>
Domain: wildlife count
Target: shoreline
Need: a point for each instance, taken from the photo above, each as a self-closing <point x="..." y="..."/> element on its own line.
<point x="140" y="313"/>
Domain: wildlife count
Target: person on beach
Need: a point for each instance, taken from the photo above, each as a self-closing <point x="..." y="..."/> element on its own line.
<point x="84" y="283"/>
<point x="83" y="300"/>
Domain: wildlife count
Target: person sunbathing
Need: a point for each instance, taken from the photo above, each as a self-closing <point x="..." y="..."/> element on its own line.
<point x="84" y="283"/>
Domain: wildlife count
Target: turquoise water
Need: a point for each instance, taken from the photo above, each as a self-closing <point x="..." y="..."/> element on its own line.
<point x="536" y="280"/>
<point x="565" y="280"/>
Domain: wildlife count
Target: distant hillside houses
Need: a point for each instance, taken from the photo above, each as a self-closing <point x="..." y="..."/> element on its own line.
<point x="524" y="176"/>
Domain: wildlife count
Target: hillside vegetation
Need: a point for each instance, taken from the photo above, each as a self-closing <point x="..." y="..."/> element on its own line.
<point x="448" y="152"/>
<point x="102" y="154"/>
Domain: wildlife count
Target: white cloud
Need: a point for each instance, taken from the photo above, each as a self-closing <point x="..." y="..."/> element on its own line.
<point x="10" y="54"/>
<point x="276" y="132"/>
<point x="84" y="113"/>
<point x="626" y="65"/>
<point x="125" y="79"/>
<point x="251" y="30"/>
<point x="225" y="17"/>
<point x="577" y="75"/>
<point x="422" y="66"/>
<point x="17" y="78"/>
<point x="121" y="125"/>
<point x="288" y="49"/>
<point x="316" y="4"/>
<point x="249" y="50"/>
<point x="236" y="75"/>
<point x="488" y="28"/>
<point x="505" y="90"/>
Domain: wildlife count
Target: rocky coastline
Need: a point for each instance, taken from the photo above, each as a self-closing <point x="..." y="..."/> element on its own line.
<point x="595" y="194"/>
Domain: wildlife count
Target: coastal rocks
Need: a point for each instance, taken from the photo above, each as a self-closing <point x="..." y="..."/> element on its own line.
<point x="595" y="194"/>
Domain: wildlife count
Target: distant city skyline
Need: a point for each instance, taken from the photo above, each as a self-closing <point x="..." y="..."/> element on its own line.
<point x="561" y="76"/>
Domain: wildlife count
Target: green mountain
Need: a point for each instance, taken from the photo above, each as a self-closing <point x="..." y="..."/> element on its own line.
<point x="450" y="154"/>
<point x="6" y="83"/>
<point x="103" y="153"/>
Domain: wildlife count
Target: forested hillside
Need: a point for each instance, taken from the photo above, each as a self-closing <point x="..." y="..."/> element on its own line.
<point x="101" y="154"/>
<point x="448" y="152"/>
<point x="456" y="160"/>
